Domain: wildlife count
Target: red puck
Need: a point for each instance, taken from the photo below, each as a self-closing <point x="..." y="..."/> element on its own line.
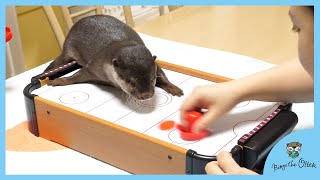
<point x="188" y="136"/>
<point x="8" y="34"/>
<point x="191" y="118"/>
<point x="167" y="125"/>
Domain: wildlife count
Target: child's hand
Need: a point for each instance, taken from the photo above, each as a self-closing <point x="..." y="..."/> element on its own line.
<point x="217" y="99"/>
<point x="226" y="165"/>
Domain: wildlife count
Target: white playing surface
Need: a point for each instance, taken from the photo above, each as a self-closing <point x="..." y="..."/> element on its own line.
<point x="115" y="106"/>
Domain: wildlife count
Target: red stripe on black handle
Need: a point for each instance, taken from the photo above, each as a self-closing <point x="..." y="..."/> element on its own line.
<point x="56" y="70"/>
<point x="255" y="130"/>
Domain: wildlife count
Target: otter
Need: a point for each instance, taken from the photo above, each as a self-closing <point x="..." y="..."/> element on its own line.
<point x="111" y="53"/>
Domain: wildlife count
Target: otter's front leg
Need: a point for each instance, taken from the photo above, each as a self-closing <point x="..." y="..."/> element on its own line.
<point x="164" y="83"/>
<point x="79" y="77"/>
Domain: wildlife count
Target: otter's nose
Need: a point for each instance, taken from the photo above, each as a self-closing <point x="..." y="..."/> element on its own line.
<point x="145" y="96"/>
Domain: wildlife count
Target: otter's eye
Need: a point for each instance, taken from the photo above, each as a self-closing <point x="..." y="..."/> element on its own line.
<point x="295" y="29"/>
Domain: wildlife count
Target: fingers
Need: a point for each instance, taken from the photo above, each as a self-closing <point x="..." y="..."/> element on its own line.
<point x="213" y="168"/>
<point x="200" y="98"/>
<point x="214" y="98"/>
<point x="205" y="121"/>
<point x="229" y="165"/>
<point x="189" y="104"/>
<point x="247" y="171"/>
<point x="225" y="164"/>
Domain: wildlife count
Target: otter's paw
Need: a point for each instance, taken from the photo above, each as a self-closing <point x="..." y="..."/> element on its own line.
<point x="174" y="90"/>
<point x="58" y="82"/>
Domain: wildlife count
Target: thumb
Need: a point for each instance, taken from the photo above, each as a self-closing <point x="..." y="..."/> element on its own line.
<point x="206" y="120"/>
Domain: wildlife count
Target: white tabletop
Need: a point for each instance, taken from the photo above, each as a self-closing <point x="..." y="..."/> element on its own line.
<point x="68" y="161"/>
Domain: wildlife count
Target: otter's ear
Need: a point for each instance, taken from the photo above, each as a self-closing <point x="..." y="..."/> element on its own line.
<point x="115" y="62"/>
<point x="154" y="57"/>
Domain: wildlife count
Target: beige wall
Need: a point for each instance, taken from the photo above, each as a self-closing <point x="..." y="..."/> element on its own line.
<point x="38" y="41"/>
<point x="259" y="32"/>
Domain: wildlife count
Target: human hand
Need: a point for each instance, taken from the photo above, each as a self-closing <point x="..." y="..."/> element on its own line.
<point x="225" y="164"/>
<point x="217" y="99"/>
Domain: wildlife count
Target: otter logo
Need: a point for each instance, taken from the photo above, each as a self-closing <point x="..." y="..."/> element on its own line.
<point x="293" y="149"/>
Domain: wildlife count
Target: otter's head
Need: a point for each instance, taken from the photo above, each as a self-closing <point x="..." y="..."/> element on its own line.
<point x="135" y="69"/>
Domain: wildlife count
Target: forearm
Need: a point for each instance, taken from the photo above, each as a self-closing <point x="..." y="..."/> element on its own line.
<point x="288" y="82"/>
